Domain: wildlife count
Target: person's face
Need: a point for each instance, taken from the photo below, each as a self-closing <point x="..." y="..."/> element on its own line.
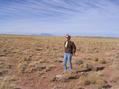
<point x="67" y="38"/>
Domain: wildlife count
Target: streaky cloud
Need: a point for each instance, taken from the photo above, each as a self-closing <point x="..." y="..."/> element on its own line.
<point x="46" y="8"/>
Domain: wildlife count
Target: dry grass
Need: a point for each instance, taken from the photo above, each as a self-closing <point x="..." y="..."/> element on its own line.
<point x="30" y="55"/>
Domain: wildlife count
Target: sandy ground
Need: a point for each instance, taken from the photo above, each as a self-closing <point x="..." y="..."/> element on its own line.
<point x="32" y="62"/>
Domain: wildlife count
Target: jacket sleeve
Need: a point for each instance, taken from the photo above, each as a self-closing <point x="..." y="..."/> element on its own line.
<point x="74" y="48"/>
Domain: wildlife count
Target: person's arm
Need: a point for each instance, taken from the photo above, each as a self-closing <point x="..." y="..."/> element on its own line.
<point x="74" y="48"/>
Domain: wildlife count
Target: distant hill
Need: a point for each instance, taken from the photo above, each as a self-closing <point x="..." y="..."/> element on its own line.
<point x="46" y="34"/>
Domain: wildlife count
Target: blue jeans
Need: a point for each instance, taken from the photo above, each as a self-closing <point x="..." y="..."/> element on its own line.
<point x="67" y="61"/>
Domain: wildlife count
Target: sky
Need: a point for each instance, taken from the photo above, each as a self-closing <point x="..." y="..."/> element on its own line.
<point x="59" y="17"/>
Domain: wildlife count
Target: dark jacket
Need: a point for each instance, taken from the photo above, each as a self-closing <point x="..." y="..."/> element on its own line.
<point x="71" y="47"/>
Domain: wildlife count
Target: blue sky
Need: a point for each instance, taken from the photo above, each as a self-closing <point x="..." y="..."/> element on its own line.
<point x="76" y="17"/>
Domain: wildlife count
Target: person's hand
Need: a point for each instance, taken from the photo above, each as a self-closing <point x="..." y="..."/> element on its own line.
<point x="74" y="54"/>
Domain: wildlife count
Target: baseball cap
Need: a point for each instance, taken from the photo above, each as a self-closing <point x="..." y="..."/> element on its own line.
<point x="67" y="36"/>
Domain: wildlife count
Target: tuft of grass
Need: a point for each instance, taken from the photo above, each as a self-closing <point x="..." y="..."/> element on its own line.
<point x="92" y="78"/>
<point x="8" y="82"/>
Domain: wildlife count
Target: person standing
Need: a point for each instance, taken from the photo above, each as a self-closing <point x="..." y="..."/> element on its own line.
<point x="69" y="51"/>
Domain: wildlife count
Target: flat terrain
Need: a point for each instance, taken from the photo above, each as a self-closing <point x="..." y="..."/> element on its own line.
<point x="35" y="62"/>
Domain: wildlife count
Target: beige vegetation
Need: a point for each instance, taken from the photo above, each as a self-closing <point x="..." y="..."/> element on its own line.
<point x="36" y="62"/>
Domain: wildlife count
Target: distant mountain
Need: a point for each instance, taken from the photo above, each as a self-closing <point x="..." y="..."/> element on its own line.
<point x="46" y="34"/>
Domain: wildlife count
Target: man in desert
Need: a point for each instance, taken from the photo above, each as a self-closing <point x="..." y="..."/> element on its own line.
<point x="69" y="51"/>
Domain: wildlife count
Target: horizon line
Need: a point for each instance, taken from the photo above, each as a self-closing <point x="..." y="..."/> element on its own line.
<point x="52" y="35"/>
